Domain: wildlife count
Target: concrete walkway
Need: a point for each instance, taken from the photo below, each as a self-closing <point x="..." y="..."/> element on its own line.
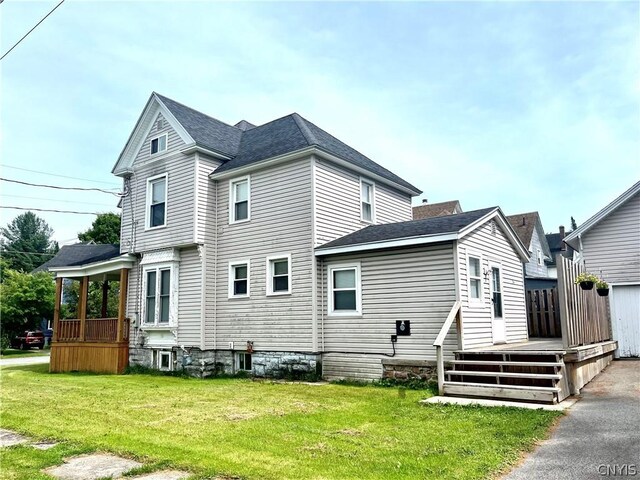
<point x="600" y="435"/>
<point x="18" y="362"/>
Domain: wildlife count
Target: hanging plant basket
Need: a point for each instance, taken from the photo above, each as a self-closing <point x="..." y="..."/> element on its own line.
<point x="603" y="292"/>
<point x="586" y="285"/>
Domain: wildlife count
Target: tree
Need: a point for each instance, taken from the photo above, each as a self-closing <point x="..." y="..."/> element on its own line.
<point x="574" y="225"/>
<point x="25" y="299"/>
<point x="104" y="229"/>
<point x="26" y="242"/>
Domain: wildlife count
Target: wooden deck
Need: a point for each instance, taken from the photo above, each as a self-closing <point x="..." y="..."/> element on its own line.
<point x="534" y="344"/>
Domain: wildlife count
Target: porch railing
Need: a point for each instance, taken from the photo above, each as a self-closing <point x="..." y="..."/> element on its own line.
<point x="103" y="330"/>
<point x="453" y="315"/>
<point x="584" y="314"/>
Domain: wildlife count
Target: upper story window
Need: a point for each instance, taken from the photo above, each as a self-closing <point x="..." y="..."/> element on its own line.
<point x="344" y="290"/>
<point x="279" y="275"/>
<point x="158" y="296"/>
<point x="239" y="195"/>
<point x="157" y="201"/>
<point x="539" y="256"/>
<point x="475" y="279"/>
<point x="239" y="279"/>
<point x="159" y="144"/>
<point x="366" y="197"/>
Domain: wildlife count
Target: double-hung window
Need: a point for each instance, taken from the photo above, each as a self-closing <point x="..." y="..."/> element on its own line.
<point x="366" y="197"/>
<point x="157" y="201"/>
<point x="344" y="290"/>
<point x="239" y="195"/>
<point x="539" y="256"/>
<point x="279" y="275"/>
<point x="158" y="296"/>
<point x="475" y="279"/>
<point x="239" y="279"/>
<point x="159" y="144"/>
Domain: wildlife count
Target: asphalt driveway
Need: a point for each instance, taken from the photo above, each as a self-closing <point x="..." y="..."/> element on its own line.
<point x="600" y="435"/>
<point x="16" y="362"/>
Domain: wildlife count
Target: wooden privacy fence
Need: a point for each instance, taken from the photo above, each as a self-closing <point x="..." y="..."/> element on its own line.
<point x="584" y="314"/>
<point x="543" y="313"/>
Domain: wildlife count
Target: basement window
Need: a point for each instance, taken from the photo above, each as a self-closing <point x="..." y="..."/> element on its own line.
<point x="244" y="362"/>
<point x="163" y="360"/>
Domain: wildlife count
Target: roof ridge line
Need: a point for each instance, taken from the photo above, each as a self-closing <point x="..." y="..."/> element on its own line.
<point x="304" y="129"/>
<point x="197" y="111"/>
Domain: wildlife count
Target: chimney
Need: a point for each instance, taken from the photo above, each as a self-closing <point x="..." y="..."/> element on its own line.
<point x="425" y="200"/>
<point x="563" y="246"/>
<point x="561" y="227"/>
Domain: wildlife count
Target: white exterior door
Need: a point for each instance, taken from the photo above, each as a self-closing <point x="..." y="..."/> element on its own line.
<point x="498" y="324"/>
<point x="625" y="319"/>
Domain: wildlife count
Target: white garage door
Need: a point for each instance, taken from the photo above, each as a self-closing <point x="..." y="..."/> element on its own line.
<point x="625" y="319"/>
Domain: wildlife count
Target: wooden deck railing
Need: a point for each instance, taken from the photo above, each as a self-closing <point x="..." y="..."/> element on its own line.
<point x="584" y="314"/>
<point x="453" y="315"/>
<point x="102" y="330"/>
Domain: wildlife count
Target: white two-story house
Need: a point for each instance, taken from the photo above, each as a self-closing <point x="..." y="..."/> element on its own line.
<point x="246" y="257"/>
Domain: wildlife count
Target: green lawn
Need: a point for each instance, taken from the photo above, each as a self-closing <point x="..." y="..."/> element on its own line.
<point x="14" y="353"/>
<point x="263" y="430"/>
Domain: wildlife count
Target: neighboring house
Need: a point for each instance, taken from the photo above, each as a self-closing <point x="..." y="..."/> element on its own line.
<point x="557" y="246"/>
<point x="428" y="210"/>
<point x="528" y="226"/>
<point x="608" y="244"/>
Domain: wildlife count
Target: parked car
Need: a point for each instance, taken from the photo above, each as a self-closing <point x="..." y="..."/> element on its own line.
<point x="28" y="339"/>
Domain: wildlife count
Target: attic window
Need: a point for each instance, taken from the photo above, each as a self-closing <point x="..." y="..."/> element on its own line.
<point x="159" y="144"/>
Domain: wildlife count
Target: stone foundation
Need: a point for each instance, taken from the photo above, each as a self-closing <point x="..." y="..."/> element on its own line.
<point x="409" y="370"/>
<point x="209" y="363"/>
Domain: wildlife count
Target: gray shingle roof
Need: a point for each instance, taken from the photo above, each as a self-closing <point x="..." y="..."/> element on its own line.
<point x="414" y="228"/>
<point x="524" y="224"/>
<point x="80" y="254"/>
<point x="428" y="210"/>
<point x="207" y="132"/>
<point x="248" y="144"/>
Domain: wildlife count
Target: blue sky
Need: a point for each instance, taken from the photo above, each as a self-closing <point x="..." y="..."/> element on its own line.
<point x="525" y="105"/>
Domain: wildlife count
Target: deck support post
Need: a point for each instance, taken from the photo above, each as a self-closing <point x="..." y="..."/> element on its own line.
<point x="56" y="309"/>
<point x="82" y="305"/>
<point x="122" y="303"/>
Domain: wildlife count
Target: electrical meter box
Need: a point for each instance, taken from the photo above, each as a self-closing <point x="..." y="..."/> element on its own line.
<point x="403" y="327"/>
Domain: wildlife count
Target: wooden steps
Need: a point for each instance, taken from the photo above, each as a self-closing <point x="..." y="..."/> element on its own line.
<point x="534" y="376"/>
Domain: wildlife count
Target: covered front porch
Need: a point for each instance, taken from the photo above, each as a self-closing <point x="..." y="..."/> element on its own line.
<point x="92" y="341"/>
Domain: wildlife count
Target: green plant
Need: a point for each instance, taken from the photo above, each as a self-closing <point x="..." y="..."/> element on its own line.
<point x="586" y="277"/>
<point x="602" y="284"/>
<point x="4" y="342"/>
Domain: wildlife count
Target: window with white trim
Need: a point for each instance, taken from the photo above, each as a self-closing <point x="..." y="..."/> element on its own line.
<point x="344" y="290"/>
<point x="157" y="296"/>
<point x="239" y="279"/>
<point x="239" y="195"/>
<point x="244" y="362"/>
<point x="539" y="256"/>
<point x="366" y="197"/>
<point x="475" y="279"/>
<point x="157" y="201"/>
<point x="159" y="144"/>
<point x="163" y="359"/>
<point x="279" y="275"/>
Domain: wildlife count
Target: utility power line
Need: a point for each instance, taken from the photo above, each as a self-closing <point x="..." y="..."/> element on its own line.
<point x="56" y="200"/>
<point x="83" y="189"/>
<point x="50" y="210"/>
<point x="61" y="176"/>
<point x="34" y="27"/>
<point x="4" y="252"/>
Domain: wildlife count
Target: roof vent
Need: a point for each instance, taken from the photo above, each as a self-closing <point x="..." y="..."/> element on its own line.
<point x="524" y="221"/>
<point x="159" y="123"/>
<point x="425" y="200"/>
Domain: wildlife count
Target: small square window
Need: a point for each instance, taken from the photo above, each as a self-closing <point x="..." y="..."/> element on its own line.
<point x="244" y="362"/>
<point x="278" y="275"/>
<point x="165" y="360"/>
<point x="344" y="290"/>
<point x="159" y="144"/>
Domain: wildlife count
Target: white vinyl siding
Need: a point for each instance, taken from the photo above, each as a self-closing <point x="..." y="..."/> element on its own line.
<point x="180" y="170"/>
<point x="190" y="313"/>
<point x="281" y="221"/>
<point x="477" y="322"/>
<point x="415" y="284"/>
<point x="338" y="208"/>
<point x="611" y="248"/>
<point x="535" y="268"/>
<point x="205" y="199"/>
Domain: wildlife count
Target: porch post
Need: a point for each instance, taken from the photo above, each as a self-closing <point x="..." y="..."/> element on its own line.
<point x="82" y="306"/>
<point x="56" y="310"/>
<point x="122" y="303"/>
<point x="105" y="298"/>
